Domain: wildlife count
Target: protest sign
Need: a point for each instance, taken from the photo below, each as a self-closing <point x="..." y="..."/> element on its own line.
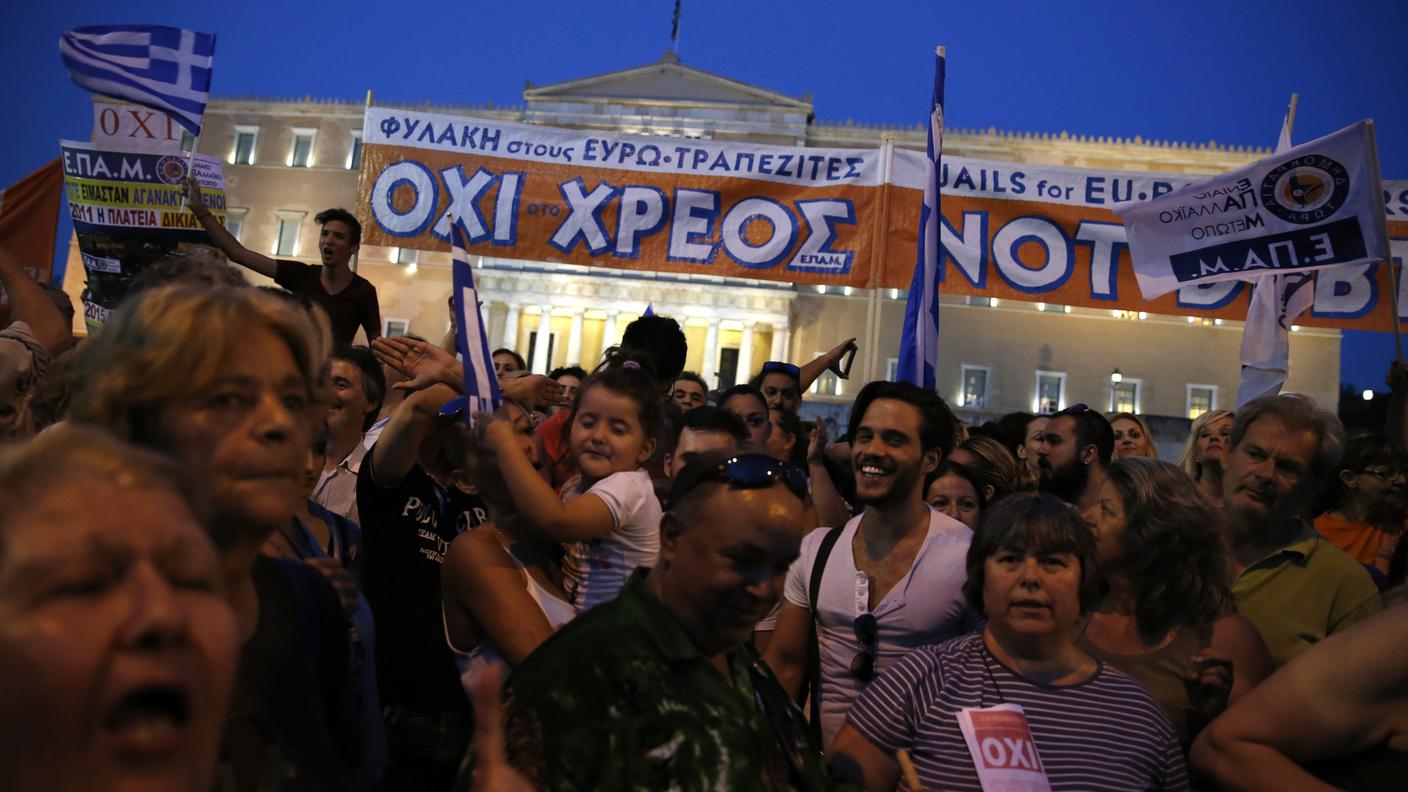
<point x="839" y="217"/>
<point x="127" y="213"/>
<point x="658" y="204"/>
<point x="1003" y="749"/>
<point x="133" y="127"/>
<point x="1313" y="206"/>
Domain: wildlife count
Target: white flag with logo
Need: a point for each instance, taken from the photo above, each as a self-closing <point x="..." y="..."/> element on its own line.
<point x="1277" y="300"/>
<point x="1317" y="205"/>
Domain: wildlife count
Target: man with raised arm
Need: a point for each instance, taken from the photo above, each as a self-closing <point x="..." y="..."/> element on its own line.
<point x="349" y="299"/>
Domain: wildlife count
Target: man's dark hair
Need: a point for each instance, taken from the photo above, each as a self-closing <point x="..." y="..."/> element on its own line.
<point x="796" y="428"/>
<point x="742" y="390"/>
<point x="937" y="425"/>
<point x="517" y="358"/>
<point x="1012" y="429"/>
<point x="690" y="376"/>
<point x="660" y="339"/>
<point x="341" y="216"/>
<point x="1092" y="428"/>
<point x="373" y="380"/>
<point x="715" y="419"/>
<point x="757" y="380"/>
<point x="568" y="371"/>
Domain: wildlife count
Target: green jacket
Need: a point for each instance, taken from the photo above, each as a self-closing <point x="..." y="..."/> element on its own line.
<point x="622" y="699"/>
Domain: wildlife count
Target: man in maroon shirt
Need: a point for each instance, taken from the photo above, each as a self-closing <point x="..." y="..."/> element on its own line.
<point x="349" y="299"/>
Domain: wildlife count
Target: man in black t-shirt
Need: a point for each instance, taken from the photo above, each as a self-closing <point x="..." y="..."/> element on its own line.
<point x="349" y="299"/>
<point x="412" y="503"/>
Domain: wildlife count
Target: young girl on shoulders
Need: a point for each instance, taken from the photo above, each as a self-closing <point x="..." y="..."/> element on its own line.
<point x="609" y="517"/>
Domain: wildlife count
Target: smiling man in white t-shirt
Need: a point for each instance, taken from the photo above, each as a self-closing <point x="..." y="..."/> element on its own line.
<point x="893" y="575"/>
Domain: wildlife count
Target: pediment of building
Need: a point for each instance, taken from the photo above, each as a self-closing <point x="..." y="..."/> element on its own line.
<point x="666" y="81"/>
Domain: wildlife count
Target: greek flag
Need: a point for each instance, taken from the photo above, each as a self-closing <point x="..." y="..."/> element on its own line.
<point x="164" y="68"/>
<point x="481" y="387"/>
<point x="919" y="338"/>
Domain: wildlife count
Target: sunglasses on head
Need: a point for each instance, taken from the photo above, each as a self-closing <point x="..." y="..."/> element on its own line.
<point x="1075" y="409"/>
<point x="774" y="366"/>
<point x="746" y="471"/>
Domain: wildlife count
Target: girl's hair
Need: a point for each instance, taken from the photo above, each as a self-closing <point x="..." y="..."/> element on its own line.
<point x="968" y="474"/>
<point x="171" y="343"/>
<point x="1173" y="548"/>
<point x="629" y="374"/>
<point x="1148" y="438"/>
<point x="1190" y="447"/>
<point x="1032" y="522"/>
<point x="997" y="467"/>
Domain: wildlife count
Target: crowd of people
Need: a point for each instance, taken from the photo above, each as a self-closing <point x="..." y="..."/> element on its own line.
<point x="238" y="552"/>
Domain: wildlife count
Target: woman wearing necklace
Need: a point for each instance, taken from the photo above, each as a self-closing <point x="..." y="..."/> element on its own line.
<point x="1166" y="615"/>
<point x="1077" y="721"/>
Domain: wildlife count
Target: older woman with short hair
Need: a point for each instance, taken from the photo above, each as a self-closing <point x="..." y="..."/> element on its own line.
<point x="118" y="651"/>
<point x="1032" y="569"/>
<point x="1166" y="616"/>
<point x="225" y="380"/>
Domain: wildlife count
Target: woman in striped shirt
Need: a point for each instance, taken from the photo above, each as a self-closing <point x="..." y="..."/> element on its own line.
<point x="1031" y="568"/>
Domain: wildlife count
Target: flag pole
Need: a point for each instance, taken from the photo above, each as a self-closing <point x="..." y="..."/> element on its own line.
<point x="1395" y="271"/>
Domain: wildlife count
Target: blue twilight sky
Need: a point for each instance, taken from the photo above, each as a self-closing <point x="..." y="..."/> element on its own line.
<point x="1194" y="70"/>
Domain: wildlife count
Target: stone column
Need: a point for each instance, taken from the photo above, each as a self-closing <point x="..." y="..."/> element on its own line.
<point x="574" y="341"/>
<point x="779" y="343"/>
<point x="510" y="340"/>
<point x="709" y="368"/>
<point x="745" y="355"/>
<point x="540" y="349"/>
<point x="608" y="330"/>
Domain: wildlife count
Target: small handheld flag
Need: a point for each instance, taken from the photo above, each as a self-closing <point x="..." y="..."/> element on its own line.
<point x="164" y="68"/>
<point x="919" y="338"/>
<point x="481" y="387"/>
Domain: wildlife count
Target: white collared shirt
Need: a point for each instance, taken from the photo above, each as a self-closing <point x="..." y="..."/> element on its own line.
<point x="337" y="489"/>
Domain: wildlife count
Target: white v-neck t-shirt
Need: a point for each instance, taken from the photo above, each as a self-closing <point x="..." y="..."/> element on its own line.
<point x="925" y="607"/>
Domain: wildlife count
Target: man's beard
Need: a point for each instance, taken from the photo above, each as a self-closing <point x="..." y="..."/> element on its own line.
<point x="1067" y="482"/>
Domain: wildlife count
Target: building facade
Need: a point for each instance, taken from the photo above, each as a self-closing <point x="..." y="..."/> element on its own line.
<point x="286" y="159"/>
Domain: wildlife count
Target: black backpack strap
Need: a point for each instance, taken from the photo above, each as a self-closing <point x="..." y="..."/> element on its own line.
<point x="812" y="681"/>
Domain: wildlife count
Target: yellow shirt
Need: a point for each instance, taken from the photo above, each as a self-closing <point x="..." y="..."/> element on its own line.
<point x="1303" y="592"/>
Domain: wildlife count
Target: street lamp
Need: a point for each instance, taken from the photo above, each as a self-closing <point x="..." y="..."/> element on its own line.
<point x="1368" y="394"/>
<point x="1115" y="379"/>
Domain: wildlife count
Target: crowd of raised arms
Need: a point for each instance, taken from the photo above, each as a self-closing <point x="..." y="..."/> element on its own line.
<point x="238" y="552"/>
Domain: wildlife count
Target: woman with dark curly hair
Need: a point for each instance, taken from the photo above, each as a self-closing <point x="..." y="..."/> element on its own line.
<point x="1165" y="618"/>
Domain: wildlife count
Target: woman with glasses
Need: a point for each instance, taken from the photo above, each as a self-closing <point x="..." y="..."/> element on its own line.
<point x="1077" y="721"/>
<point x="1369" y="509"/>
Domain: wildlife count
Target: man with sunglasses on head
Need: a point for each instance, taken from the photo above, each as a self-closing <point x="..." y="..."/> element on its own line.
<point x="892" y="578"/>
<point x="658" y="689"/>
<point x="1071" y="458"/>
<point x="784" y="383"/>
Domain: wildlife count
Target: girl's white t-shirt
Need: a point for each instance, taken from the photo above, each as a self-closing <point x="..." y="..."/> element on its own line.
<point x="598" y="568"/>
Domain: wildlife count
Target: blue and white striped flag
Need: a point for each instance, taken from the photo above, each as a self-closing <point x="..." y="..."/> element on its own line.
<point x="164" y="68"/>
<point x="919" y="338"/>
<point x="481" y="387"/>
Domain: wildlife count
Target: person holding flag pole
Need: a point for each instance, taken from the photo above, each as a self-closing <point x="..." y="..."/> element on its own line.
<point x="919" y="338"/>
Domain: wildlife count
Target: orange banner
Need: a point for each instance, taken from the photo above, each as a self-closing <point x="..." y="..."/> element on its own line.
<point x="819" y="216"/>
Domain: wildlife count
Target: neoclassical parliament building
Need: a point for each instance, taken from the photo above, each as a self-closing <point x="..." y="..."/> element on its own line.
<point x="287" y="159"/>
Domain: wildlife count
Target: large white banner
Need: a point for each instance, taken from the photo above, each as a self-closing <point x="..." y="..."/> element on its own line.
<point x="1316" y="205"/>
